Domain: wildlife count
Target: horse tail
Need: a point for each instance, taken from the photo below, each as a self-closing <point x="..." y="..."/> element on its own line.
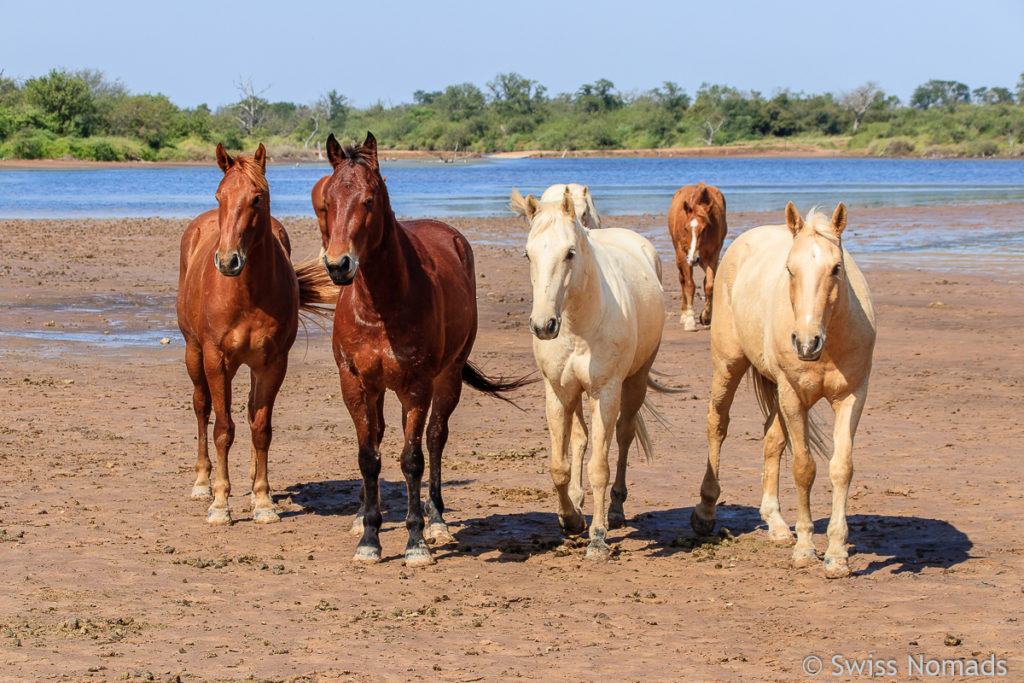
<point x="767" y="394"/>
<point x="642" y="435"/>
<point x="517" y="203"/>
<point x="661" y="388"/>
<point x="494" y="386"/>
<point x="317" y="294"/>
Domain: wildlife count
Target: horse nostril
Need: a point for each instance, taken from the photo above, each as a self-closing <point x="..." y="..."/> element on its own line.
<point x="235" y="262"/>
<point x="550" y="327"/>
<point x="345" y="264"/>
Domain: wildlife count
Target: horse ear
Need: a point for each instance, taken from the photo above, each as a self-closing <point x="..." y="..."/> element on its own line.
<point x="334" y="154"/>
<point x="224" y="160"/>
<point x="586" y="190"/>
<point x="702" y="194"/>
<point x="793" y="220"/>
<point x="532" y="206"/>
<point x="686" y="207"/>
<point x="568" y="205"/>
<point x="370" y="146"/>
<point x="839" y="219"/>
<point x="261" y="157"/>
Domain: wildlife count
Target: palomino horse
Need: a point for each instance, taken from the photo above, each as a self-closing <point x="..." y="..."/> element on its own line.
<point x="792" y="306"/>
<point x="597" y="320"/>
<point x="582" y="200"/>
<point x="406" y="321"/>
<point x="696" y="222"/>
<point x="238" y="302"/>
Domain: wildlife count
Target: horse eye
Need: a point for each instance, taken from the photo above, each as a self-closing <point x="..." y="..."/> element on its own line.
<point x="570" y="254"/>
<point x="368" y="201"/>
<point x="835" y="270"/>
<point x="256" y="200"/>
<point x="789" y="271"/>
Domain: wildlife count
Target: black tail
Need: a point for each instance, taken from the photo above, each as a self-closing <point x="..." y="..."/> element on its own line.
<point x="472" y="376"/>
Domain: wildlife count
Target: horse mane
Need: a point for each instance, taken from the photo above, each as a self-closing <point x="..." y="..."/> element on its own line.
<point x="821" y="224"/>
<point x="253" y="171"/>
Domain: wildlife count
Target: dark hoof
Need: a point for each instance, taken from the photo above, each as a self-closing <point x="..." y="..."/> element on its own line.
<point x="366" y="554"/>
<point x="701" y="527"/>
<point x="616" y="520"/>
<point x="705" y="318"/>
<point x="418" y="556"/>
<point x="573" y="526"/>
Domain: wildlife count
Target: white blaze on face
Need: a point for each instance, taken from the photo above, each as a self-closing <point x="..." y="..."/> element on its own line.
<point x="693" y="241"/>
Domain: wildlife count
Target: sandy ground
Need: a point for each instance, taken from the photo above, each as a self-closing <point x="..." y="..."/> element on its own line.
<point x="111" y="571"/>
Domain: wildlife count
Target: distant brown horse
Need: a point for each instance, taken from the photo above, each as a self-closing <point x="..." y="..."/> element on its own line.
<point x="238" y="302"/>
<point x="696" y="221"/>
<point x="320" y="209"/>
<point x="406" y="321"/>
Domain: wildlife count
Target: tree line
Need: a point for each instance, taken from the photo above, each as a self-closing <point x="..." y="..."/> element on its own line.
<point x="83" y="114"/>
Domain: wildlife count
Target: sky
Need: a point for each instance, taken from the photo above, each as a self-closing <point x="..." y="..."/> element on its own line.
<point x="384" y="50"/>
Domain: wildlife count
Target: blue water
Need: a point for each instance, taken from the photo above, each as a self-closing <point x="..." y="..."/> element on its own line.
<point x="481" y="187"/>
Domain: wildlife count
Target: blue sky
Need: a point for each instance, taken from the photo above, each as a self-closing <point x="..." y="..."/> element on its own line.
<point x="195" y="52"/>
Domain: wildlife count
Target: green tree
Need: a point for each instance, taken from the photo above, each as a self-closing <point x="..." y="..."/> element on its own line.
<point x="513" y="94"/>
<point x="150" y="118"/>
<point x="671" y="98"/>
<point x="937" y="93"/>
<point x="597" y="97"/>
<point x="65" y="98"/>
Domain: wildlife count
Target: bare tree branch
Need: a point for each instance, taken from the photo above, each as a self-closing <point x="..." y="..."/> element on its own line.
<point x="711" y="126"/>
<point x="859" y="100"/>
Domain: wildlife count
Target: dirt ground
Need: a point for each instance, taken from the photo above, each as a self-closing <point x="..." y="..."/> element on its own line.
<point x="111" y="571"/>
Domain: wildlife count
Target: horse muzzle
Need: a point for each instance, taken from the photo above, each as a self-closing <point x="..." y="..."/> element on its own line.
<point x="693" y="260"/>
<point x="808" y="349"/>
<point x="342" y="271"/>
<point x="547" y="330"/>
<point x="231" y="267"/>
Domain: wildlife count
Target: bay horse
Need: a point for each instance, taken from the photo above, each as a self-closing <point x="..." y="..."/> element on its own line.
<point x="597" y="319"/>
<point x="793" y="309"/>
<point x="405" y="320"/>
<point x="238" y="302"/>
<point x="320" y="209"/>
<point x="696" y="222"/>
<point x="582" y="200"/>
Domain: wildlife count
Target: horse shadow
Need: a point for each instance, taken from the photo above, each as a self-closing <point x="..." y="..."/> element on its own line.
<point x="340" y="497"/>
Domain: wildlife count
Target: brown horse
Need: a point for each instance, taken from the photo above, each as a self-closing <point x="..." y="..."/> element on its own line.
<point x="406" y="321"/>
<point x="696" y="221"/>
<point x="238" y="302"/>
<point x="320" y="209"/>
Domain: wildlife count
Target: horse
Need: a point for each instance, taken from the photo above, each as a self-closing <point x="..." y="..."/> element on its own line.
<point x="597" y="319"/>
<point x="583" y="202"/>
<point x="696" y="222"/>
<point x="405" y="320"/>
<point x="793" y="310"/>
<point x="320" y="209"/>
<point x="239" y="298"/>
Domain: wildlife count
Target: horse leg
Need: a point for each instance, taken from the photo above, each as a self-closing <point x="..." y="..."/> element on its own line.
<point x="634" y="389"/>
<point x="252" y="416"/>
<point x="709" y="287"/>
<point x="265" y="386"/>
<point x="726" y="379"/>
<point x="447" y="390"/>
<point x="361" y="406"/>
<point x="804" y="470"/>
<point x="560" y="406"/>
<point x="840" y="471"/>
<point x="415" y="405"/>
<point x="686" y="280"/>
<point x="578" y="447"/>
<point x="357" y="523"/>
<point x="604" y="411"/>
<point x="201" y="405"/>
<point x="774" y="444"/>
<point x="219" y="376"/>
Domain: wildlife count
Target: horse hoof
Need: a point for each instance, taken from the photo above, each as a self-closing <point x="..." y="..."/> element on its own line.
<point x="265" y="516"/>
<point x="616" y="520"/>
<point x="438" y="533"/>
<point x="804" y="557"/>
<point x="701" y="527"/>
<point x="598" y="551"/>
<point x="201" y="493"/>
<point x="357" y="527"/>
<point x="781" y="536"/>
<point x="572" y="526"/>
<point x="218" y="516"/>
<point x="366" y="554"/>
<point x="689" y="324"/>
<point x="418" y="556"/>
<point x="836" y="568"/>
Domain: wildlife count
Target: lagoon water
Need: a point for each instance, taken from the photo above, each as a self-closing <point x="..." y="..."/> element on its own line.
<point x="480" y="187"/>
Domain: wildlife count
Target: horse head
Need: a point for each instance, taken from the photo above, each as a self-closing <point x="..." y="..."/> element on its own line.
<point x="357" y="205"/>
<point x="816" y="276"/>
<point x="697" y="216"/>
<point x="243" y="199"/>
<point x="556" y="237"/>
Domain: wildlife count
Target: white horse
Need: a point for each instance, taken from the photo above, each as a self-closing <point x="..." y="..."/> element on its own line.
<point x="582" y="200"/>
<point x="597" y="319"/>
<point x="792" y="307"/>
